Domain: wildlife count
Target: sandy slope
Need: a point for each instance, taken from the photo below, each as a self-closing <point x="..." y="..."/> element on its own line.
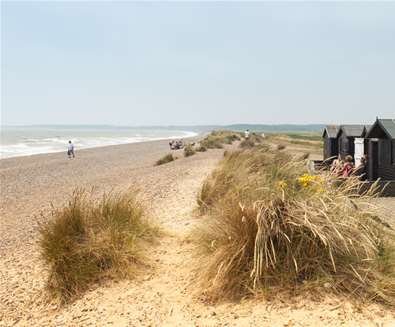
<point x="162" y="295"/>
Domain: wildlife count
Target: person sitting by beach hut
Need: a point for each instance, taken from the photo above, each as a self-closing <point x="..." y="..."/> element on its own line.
<point x="337" y="166"/>
<point x="348" y="167"/>
<point x="361" y="170"/>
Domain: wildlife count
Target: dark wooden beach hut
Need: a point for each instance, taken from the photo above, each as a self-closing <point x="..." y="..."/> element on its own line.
<point x="381" y="150"/>
<point x="331" y="145"/>
<point x="346" y="138"/>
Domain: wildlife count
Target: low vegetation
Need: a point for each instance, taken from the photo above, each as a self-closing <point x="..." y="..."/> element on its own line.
<point x="270" y="226"/>
<point x="305" y="136"/>
<point x="256" y="138"/>
<point x="165" y="159"/>
<point x="310" y="140"/>
<point x="201" y="148"/>
<point x="253" y="140"/>
<point x="88" y="240"/>
<point x="217" y="139"/>
<point x="246" y="144"/>
<point x="189" y="150"/>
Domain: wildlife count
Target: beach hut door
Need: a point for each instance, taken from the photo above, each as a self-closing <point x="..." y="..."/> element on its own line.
<point x="359" y="150"/>
<point x="373" y="159"/>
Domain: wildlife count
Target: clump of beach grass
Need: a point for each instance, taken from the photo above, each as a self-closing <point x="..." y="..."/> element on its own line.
<point x="91" y="239"/>
<point x="165" y="159"/>
<point x="247" y="143"/>
<point x="256" y="138"/>
<point x="189" y="150"/>
<point x="217" y="139"/>
<point x="251" y="141"/>
<point x="201" y="148"/>
<point x="270" y="226"/>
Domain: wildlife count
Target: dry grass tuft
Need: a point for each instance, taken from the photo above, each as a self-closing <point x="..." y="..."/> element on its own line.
<point x="189" y="151"/>
<point x="256" y="138"/>
<point x="247" y="144"/>
<point x="217" y="139"/>
<point x="165" y="159"/>
<point x="270" y="226"/>
<point x="89" y="239"/>
<point x="201" y="148"/>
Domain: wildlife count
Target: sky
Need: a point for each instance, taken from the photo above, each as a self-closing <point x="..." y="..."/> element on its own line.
<point x="193" y="63"/>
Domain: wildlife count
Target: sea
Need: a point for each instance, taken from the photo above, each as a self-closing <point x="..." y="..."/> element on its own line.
<point x="18" y="141"/>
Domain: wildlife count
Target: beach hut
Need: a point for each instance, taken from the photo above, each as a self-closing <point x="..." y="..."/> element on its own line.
<point x="381" y="150"/>
<point x="346" y="138"/>
<point x="331" y="148"/>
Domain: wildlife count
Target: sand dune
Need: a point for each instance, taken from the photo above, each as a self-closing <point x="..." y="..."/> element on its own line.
<point x="163" y="295"/>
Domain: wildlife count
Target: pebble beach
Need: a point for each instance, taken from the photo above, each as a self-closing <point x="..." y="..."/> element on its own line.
<point x="162" y="296"/>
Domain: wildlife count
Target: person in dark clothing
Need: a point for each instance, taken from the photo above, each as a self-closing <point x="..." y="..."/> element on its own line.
<point x="70" y="150"/>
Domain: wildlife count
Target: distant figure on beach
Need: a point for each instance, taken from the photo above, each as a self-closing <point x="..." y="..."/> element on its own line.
<point x="247" y="133"/>
<point x="70" y="150"/>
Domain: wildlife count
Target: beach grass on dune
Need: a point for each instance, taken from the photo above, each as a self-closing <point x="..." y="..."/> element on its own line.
<point x="189" y="151"/>
<point x="90" y="239"/>
<point x="217" y="139"/>
<point x="201" y="148"/>
<point x="270" y="226"/>
<point x="165" y="159"/>
<point x="247" y="143"/>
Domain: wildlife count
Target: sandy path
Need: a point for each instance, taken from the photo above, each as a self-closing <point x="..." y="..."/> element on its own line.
<point x="162" y="296"/>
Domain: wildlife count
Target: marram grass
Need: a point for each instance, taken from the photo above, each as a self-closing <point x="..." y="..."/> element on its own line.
<point x="189" y="151"/>
<point x="217" y="139"/>
<point x="165" y="159"/>
<point x="271" y="226"/>
<point x="90" y="239"/>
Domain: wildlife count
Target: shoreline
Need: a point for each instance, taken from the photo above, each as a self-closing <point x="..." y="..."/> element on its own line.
<point x="29" y="185"/>
<point x="78" y="150"/>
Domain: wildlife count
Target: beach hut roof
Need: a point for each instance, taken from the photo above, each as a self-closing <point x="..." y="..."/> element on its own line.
<point x="331" y="130"/>
<point x="387" y="125"/>
<point x="353" y="130"/>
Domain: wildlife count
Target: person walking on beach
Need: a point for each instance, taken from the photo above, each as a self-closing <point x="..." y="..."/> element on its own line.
<point x="70" y="150"/>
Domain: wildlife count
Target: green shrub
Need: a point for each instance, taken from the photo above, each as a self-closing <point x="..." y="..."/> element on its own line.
<point x="88" y="239"/>
<point x="167" y="158"/>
